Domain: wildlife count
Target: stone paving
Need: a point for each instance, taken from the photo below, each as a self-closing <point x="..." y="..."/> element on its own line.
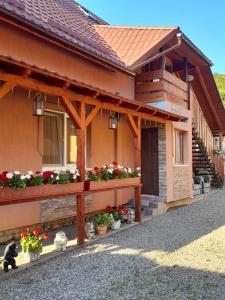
<point x="178" y="255"/>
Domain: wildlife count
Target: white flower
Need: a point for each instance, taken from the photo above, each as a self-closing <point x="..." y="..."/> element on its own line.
<point x="104" y="167"/>
<point x="28" y="176"/>
<point x="17" y="173"/>
<point x="9" y="175"/>
<point x="52" y="176"/>
<point x="30" y="173"/>
<point x="129" y="170"/>
<point x="120" y="167"/>
<point x="110" y="171"/>
<point x="23" y="177"/>
<point x="73" y="171"/>
<point x="139" y="174"/>
<point x="78" y="174"/>
<point x="57" y="178"/>
<point x="111" y="165"/>
<point x="138" y="168"/>
<point x="74" y="177"/>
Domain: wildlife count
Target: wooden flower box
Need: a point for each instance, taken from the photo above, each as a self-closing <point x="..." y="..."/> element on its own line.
<point x="92" y="186"/>
<point x="34" y="193"/>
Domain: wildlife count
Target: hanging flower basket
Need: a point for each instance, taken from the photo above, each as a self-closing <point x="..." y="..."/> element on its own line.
<point x="8" y="195"/>
<point x="111" y="184"/>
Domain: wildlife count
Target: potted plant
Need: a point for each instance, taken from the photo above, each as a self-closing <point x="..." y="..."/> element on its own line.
<point x="102" y="222"/>
<point x="31" y="243"/>
<point x="112" y="176"/>
<point x="117" y="216"/>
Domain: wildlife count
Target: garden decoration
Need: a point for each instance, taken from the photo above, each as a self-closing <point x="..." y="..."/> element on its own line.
<point x="31" y="243"/>
<point x="90" y="230"/>
<point x="60" y="241"/>
<point x="102" y="222"/>
<point x="9" y="256"/>
<point x="130" y="216"/>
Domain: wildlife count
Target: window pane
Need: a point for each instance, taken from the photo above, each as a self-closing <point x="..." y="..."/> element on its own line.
<point x="179" y="147"/>
<point x="71" y="143"/>
<point x="53" y="139"/>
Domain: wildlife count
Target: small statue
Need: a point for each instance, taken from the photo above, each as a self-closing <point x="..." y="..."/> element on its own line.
<point x="60" y="241"/>
<point x="90" y="230"/>
<point x="9" y="254"/>
<point x="130" y="216"/>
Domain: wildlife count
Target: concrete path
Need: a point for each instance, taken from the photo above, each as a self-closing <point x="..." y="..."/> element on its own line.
<point x="179" y="255"/>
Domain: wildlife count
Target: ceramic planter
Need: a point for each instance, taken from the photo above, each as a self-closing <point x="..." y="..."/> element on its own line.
<point x="31" y="256"/>
<point x="116" y="225"/>
<point x="101" y="229"/>
<point x="8" y="195"/>
<point x="111" y="184"/>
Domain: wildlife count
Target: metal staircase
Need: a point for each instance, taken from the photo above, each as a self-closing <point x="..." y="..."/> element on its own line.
<point x="202" y="160"/>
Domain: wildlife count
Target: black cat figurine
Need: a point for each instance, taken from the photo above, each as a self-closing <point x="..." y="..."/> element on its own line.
<point x="9" y="256"/>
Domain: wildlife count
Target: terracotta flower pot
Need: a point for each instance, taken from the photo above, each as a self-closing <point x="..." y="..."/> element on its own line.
<point x="101" y="229"/>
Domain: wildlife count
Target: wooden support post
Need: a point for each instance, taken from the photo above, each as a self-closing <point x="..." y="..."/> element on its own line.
<point x="4" y="89"/>
<point x="137" y="156"/>
<point x="80" y="201"/>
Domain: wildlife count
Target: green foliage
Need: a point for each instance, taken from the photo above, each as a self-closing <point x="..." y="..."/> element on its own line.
<point x="17" y="182"/>
<point x="34" y="181"/>
<point x="220" y="81"/>
<point x="31" y="244"/>
<point x="103" y="219"/>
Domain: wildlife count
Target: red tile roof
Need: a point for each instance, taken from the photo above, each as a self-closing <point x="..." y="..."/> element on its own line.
<point x="132" y="43"/>
<point x="66" y="19"/>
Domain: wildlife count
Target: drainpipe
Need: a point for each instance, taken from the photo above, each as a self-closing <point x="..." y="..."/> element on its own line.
<point x="179" y="39"/>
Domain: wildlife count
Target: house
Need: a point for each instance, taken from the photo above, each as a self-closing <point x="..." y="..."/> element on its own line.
<point x="153" y="80"/>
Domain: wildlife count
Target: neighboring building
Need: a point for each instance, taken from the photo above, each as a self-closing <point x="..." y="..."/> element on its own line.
<point x="155" y="74"/>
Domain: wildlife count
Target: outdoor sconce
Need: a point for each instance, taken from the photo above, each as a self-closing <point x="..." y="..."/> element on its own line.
<point x="38" y="105"/>
<point x="113" y="121"/>
<point x="190" y="78"/>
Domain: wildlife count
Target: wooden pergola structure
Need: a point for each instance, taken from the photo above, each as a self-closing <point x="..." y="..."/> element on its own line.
<point x="75" y="98"/>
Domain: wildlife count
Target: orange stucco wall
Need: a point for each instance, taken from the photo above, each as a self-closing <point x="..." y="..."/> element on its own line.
<point x="27" y="48"/>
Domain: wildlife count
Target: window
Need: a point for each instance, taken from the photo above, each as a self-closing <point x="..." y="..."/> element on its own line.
<point x="60" y="141"/>
<point x="179" y="147"/>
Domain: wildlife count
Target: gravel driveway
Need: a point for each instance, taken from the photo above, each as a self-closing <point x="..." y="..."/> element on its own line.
<point x="179" y="255"/>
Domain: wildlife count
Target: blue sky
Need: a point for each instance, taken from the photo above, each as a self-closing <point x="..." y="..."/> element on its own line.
<point x="203" y="21"/>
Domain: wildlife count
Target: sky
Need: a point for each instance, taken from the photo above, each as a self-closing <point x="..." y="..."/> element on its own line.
<point x="203" y="21"/>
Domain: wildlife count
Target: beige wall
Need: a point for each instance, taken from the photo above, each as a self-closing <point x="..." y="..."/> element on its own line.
<point x="31" y="50"/>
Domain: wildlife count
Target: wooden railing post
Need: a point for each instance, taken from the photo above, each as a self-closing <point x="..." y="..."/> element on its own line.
<point x="80" y="199"/>
<point x="137" y="147"/>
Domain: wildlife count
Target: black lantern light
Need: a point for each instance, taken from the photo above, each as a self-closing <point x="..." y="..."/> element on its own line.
<point x="38" y="105"/>
<point x="113" y="121"/>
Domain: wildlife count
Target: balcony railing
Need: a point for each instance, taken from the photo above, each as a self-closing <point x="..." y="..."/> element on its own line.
<point x="201" y="126"/>
<point x="161" y="85"/>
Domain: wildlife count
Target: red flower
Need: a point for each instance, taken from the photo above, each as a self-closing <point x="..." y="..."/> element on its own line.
<point x="3" y="177"/>
<point x="96" y="168"/>
<point x="23" y="235"/>
<point x="99" y="175"/>
<point x="37" y="231"/>
<point x="115" y="163"/>
<point x="117" y="172"/>
<point x="48" y="174"/>
<point x="108" y="209"/>
<point x="125" y="211"/>
<point x="28" y="228"/>
<point x="45" y="236"/>
<point x="38" y="172"/>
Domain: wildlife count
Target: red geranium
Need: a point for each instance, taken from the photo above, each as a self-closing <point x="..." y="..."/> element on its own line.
<point x="47" y="174"/>
<point x="37" y="231"/>
<point x="28" y="228"/>
<point x="23" y="235"/>
<point x="45" y="236"/>
<point x="117" y="171"/>
<point x="108" y="209"/>
<point x="96" y="168"/>
<point x="115" y="163"/>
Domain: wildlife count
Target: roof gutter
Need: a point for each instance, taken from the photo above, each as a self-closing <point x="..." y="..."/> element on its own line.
<point x="179" y="43"/>
<point x="90" y="54"/>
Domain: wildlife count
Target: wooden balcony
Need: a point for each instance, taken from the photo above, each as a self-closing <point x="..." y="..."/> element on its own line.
<point x="161" y="85"/>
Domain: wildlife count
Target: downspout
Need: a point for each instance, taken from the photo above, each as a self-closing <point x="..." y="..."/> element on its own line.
<point x="179" y="38"/>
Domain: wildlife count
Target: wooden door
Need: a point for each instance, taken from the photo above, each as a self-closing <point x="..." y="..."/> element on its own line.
<point x="150" y="161"/>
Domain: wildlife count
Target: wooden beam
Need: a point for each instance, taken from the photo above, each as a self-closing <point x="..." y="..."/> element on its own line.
<point x="37" y="85"/>
<point x="70" y="109"/>
<point x="80" y="200"/>
<point x="137" y="157"/>
<point x="5" y="88"/>
<point x="132" y="125"/>
<point x="91" y="116"/>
